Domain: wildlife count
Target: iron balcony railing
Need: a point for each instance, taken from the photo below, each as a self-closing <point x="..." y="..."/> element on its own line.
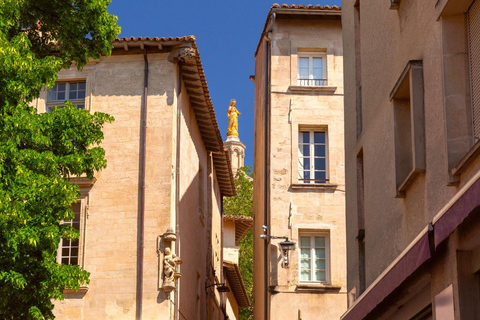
<point x="312" y="82"/>
<point x="314" y="180"/>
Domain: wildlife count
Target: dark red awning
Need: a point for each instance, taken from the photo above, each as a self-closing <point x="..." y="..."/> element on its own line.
<point x="455" y="215"/>
<point x="411" y="261"/>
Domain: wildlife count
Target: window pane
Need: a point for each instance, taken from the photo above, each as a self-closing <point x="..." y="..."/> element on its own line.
<point x="321" y="176"/>
<point x="320" y="151"/>
<point x="73" y="86"/>
<point x="304" y="164"/>
<point x="305" y="150"/>
<point x="305" y="264"/>
<point x="74" y="252"/>
<point x="65" y="261"/>
<point x="320" y="264"/>
<point x="305" y="275"/>
<point x="74" y="261"/>
<point x="60" y="95"/>
<point x="317" y="68"/>
<point x="303" y="72"/>
<point x="319" y="137"/>
<point x="320" y="276"/>
<point x="65" y="252"/>
<point x="72" y="95"/>
<point x="305" y="253"/>
<point x="81" y="86"/>
<point x="303" y="62"/>
<point x="320" y="164"/>
<point x="320" y="242"/>
<point x="303" y="137"/>
<point x="320" y="253"/>
<point x="75" y="243"/>
<point x="305" y="241"/>
<point x="81" y="94"/>
<point x="306" y="176"/>
<point x="60" y="87"/>
<point x="52" y="95"/>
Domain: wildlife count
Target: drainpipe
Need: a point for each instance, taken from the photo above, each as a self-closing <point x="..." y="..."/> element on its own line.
<point x="177" y="189"/>
<point x="141" y="191"/>
<point x="266" y="178"/>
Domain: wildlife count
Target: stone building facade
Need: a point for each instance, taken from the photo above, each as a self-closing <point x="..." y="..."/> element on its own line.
<point x="412" y="166"/>
<point x="299" y="166"/>
<point x="163" y="187"/>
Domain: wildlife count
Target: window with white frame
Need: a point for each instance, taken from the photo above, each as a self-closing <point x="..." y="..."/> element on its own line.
<point x="312" y="69"/>
<point x="312" y="156"/>
<point x="314" y="257"/>
<point x="73" y="91"/>
<point x="69" y="250"/>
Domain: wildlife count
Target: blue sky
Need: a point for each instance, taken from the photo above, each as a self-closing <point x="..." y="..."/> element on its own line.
<point x="227" y="34"/>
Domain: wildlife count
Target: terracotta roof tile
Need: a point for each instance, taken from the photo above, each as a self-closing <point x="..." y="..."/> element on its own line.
<point x="156" y="39"/>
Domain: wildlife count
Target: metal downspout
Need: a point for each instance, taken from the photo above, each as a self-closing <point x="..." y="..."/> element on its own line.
<point x="141" y="191"/>
<point x="266" y="164"/>
<point x="177" y="190"/>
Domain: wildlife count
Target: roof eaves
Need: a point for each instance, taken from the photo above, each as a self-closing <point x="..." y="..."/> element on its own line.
<point x="299" y="9"/>
<point x="213" y="139"/>
<point x="223" y="160"/>
<point x="236" y="283"/>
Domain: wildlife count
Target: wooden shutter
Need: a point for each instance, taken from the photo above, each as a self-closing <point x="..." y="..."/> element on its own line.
<point x="474" y="55"/>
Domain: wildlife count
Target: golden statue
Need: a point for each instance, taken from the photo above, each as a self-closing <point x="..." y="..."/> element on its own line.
<point x="232" y="114"/>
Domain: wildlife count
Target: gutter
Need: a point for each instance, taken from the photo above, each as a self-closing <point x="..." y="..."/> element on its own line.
<point x="141" y="192"/>
<point x="266" y="177"/>
<point x="177" y="190"/>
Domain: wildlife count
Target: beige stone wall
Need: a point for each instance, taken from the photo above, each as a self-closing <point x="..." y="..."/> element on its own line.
<point x="295" y="207"/>
<point x="115" y="86"/>
<point x="111" y="228"/>
<point x="389" y="39"/>
<point x="258" y="183"/>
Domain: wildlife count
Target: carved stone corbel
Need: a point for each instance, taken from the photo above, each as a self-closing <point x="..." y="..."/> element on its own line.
<point x="182" y="54"/>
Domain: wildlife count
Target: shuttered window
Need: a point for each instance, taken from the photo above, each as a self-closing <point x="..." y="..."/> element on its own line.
<point x="474" y="54"/>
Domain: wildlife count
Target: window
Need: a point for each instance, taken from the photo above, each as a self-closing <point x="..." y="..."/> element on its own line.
<point x="314" y="257"/>
<point x="409" y="125"/>
<point x="72" y="91"/>
<point x="473" y="16"/>
<point x="312" y="70"/>
<point x="69" y="250"/>
<point x="312" y="156"/>
<point x="461" y="75"/>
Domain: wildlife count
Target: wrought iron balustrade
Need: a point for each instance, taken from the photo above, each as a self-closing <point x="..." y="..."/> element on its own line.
<point x="312" y="82"/>
<point x="314" y="180"/>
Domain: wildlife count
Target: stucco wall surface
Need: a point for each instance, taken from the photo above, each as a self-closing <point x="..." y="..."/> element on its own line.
<point x="389" y="40"/>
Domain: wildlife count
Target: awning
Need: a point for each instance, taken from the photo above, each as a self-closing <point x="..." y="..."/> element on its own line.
<point x="444" y="223"/>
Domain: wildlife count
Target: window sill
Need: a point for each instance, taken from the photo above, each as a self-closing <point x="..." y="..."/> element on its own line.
<point x="316" y="287"/>
<point x="402" y="188"/>
<point x="81" y="291"/>
<point x="314" y="186"/>
<point x="469" y="157"/>
<point x="310" y="89"/>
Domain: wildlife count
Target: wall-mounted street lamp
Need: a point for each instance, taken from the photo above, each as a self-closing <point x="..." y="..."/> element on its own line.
<point x="285" y="246"/>
<point x="221" y="287"/>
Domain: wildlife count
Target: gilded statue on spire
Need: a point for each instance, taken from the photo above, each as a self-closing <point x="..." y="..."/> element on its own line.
<point x="232" y="114"/>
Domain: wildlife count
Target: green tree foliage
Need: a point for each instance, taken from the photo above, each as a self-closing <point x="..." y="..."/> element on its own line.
<point x="39" y="152"/>
<point x="242" y="204"/>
